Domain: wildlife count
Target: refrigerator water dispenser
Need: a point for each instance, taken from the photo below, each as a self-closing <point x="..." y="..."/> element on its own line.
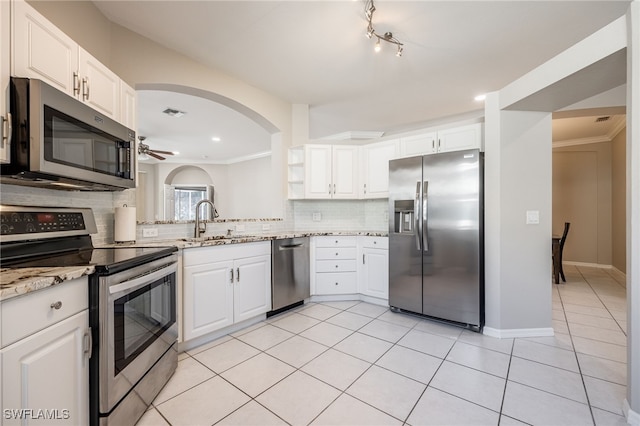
<point x="403" y="221"/>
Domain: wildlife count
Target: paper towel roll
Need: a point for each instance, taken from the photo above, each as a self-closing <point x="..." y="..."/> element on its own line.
<point x="125" y="224"/>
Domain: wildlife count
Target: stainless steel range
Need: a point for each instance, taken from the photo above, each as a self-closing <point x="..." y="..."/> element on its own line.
<point x="132" y="304"/>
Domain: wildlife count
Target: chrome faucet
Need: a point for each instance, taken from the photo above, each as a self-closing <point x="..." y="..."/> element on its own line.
<point x="201" y="227"/>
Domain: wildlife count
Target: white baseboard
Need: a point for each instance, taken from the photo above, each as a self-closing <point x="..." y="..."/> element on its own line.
<point x="341" y="297"/>
<point x="586" y="264"/>
<point x="618" y="271"/>
<point x="510" y="333"/>
<point x="633" y="417"/>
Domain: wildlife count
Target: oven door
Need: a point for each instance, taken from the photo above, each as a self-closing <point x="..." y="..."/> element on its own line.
<point x="137" y="325"/>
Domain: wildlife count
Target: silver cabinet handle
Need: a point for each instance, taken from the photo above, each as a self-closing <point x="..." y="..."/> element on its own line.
<point x="231" y="281"/>
<point x="76" y="84"/>
<point x="85" y="88"/>
<point x="363" y="262"/>
<point x="329" y="189"/>
<point x="56" y="305"/>
<point x="334" y="189"/>
<point x="237" y="275"/>
<point x="7" y="128"/>
<point x="88" y="338"/>
<point x="365" y="188"/>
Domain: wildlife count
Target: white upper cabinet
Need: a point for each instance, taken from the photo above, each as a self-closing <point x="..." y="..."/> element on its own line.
<point x="127" y="105"/>
<point x="5" y="71"/>
<point x="100" y="87"/>
<point x="344" y="172"/>
<point x="419" y="144"/>
<point x="323" y="172"/>
<point x="40" y="50"/>
<point x="374" y="163"/>
<point x="460" y="138"/>
<point x="454" y="139"/>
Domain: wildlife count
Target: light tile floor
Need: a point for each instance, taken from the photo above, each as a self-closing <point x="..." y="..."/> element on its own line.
<point x="353" y="363"/>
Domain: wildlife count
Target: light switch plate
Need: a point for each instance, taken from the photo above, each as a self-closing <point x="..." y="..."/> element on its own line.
<point x="533" y="217"/>
<point x="317" y="217"/>
<point x="266" y="227"/>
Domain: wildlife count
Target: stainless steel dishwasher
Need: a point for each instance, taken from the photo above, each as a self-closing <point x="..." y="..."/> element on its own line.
<point x="289" y="273"/>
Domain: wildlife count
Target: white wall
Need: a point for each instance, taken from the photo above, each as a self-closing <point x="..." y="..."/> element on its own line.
<point x="518" y="256"/>
<point x="250" y="194"/>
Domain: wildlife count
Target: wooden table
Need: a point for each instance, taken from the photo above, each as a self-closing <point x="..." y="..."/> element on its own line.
<point x="555" y="250"/>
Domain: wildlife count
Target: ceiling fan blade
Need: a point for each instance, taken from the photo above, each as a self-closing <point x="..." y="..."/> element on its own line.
<point x="154" y="155"/>
<point x="162" y="152"/>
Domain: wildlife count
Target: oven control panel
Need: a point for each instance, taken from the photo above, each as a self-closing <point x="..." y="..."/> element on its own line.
<point x="35" y="222"/>
<point x="19" y="223"/>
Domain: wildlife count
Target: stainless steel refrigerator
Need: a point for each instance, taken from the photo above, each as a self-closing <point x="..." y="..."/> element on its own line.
<point x="436" y="257"/>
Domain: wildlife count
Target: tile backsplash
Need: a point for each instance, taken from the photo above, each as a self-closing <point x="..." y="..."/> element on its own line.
<point x="102" y="203"/>
<point x="299" y="215"/>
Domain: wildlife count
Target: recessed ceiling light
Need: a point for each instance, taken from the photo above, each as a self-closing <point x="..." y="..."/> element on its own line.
<point x="216" y="139"/>
<point x="480" y="98"/>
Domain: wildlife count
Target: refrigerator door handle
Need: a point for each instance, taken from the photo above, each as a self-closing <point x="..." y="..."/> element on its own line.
<point x="417" y="229"/>
<point x="425" y="214"/>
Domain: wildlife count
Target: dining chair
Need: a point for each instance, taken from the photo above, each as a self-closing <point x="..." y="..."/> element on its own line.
<point x="562" y="241"/>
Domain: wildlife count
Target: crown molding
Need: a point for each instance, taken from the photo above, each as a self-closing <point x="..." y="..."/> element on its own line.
<point x="581" y="141"/>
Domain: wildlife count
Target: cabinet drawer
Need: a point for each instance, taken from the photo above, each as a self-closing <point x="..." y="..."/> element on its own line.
<point x="32" y="312"/>
<point x="336" y="265"/>
<point x="336" y="253"/>
<point x="336" y="283"/>
<point x="335" y="241"/>
<point x="375" y="242"/>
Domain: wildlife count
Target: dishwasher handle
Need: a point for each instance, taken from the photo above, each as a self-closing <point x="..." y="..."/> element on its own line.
<point x="290" y="246"/>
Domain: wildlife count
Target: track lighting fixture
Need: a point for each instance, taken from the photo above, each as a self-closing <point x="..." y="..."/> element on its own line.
<point x="371" y="32"/>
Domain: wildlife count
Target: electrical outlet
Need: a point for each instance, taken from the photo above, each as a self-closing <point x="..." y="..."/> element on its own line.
<point x="239" y="228"/>
<point x="150" y="232"/>
<point x="317" y="217"/>
<point x="266" y="227"/>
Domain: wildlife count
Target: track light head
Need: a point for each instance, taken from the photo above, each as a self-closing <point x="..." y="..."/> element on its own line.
<point x="388" y="36"/>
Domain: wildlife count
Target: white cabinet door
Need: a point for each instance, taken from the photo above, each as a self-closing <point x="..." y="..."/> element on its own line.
<point x="460" y="138"/>
<point x="49" y="370"/>
<point x="345" y="172"/>
<point x="100" y="87"/>
<point x="374" y="276"/>
<point x="41" y="50"/>
<point x="375" y="169"/>
<point x="127" y="105"/>
<point x="318" y="171"/>
<point x="252" y="289"/>
<point x="208" y="298"/>
<point x="5" y="72"/>
<point x="418" y="144"/>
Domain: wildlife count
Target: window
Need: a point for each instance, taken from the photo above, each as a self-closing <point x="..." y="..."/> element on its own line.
<point x="185" y="198"/>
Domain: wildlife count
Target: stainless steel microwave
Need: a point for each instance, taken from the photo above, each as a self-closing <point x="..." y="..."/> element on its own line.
<point x="59" y="142"/>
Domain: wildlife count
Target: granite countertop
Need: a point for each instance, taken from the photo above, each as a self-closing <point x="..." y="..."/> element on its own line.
<point x="218" y="240"/>
<point x="18" y="281"/>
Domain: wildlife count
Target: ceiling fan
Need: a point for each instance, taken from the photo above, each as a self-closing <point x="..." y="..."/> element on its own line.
<point x="143" y="149"/>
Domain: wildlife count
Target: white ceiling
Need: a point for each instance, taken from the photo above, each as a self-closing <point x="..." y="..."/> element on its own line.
<point x="316" y="52"/>
<point x="192" y="134"/>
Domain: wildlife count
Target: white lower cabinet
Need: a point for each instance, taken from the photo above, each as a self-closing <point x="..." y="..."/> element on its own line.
<point x="45" y="374"/>
<point x="373" y="267"/>
<point x="335" y="269"/>
<point x="223" y="285"/>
